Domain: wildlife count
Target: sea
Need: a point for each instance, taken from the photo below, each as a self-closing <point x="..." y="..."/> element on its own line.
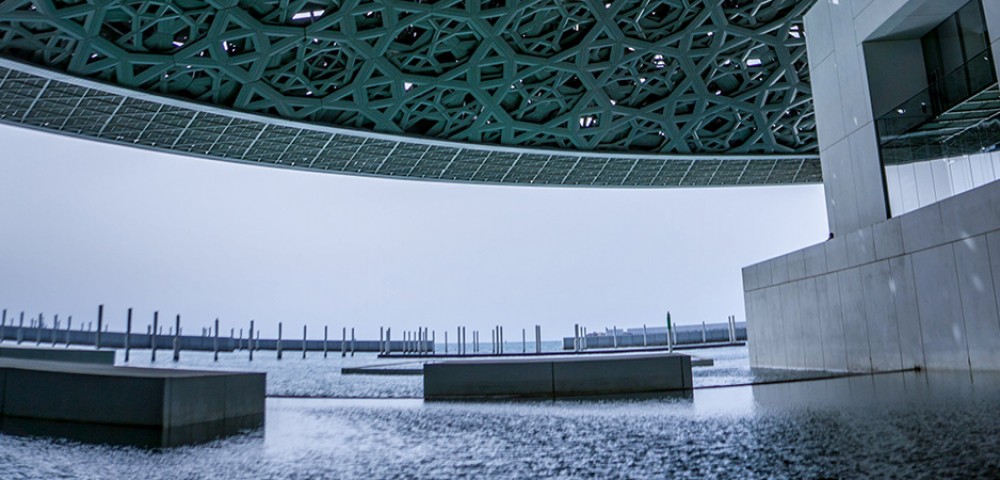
<point x="737" y="423"/>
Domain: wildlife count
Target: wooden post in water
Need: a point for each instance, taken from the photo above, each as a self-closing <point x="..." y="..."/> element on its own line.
<point x="303" y="341"/>
<point x="326" y="329"/>
<point x="277" y="346"/>
<point x="239" y="342"/>
<point x="670" y="342"/>
<point x="388" y="340"/>
<point x="704" y="333"/>
<point x="645" y="340"/>
<point x="524" y="341"/>
<point x="343" y="343"/>
<point x="3" y="324"/>
<point x="152" y="338"/>
<point x="100" y="324"/>
<point x="69" y="326"/>
<point x="55" y="326"/>
<point x="445" y="342"/>
<point x="250" y="340"/>
<point x="177" y="338"/>
<point x="538" y="339"/>
<point x="352" y="341"/>
<point x="128" y="334"/>
<point x="614" y="335"/>
<point x="215" y="342"/>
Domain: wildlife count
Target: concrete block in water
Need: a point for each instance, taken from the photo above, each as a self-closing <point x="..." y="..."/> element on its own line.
<point x="602" y="374"/>
<point x="135" y="406"/>
<point x="103" y="357"/>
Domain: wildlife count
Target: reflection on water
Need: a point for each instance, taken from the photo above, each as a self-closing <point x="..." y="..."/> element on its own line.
<point x="319" y="377"/>
<point x="936" y="425"/>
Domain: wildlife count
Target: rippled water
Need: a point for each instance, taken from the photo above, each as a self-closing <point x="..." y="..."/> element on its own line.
<point x="912" y="425"/>
<point x="315" y="376"/>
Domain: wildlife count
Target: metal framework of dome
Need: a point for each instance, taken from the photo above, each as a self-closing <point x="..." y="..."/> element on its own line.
<point x="634" y="93"/>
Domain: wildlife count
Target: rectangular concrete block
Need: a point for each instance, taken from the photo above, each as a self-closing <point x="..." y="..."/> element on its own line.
<point x="118" y="405"/>
<point x="855" y="321"/>
<point x="880" y="310"/>
<point x="907" y="314"/>
<point x="70" y="397"/>
<point x="606" y="374"/>
<point x="979" y="302"/>
<point x="888" y="236"/>
<point x="860" y="247"/>
<point x="939" y="302"/>
<point x="831" y="322"/>
<point x="596" y="376"/>
<point x="484" y="379"/>
<point x="60" y="354"/>
<point x="815" y="260"/>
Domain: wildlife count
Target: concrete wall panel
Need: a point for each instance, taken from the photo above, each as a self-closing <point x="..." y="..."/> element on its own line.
<point x="749" y="278"/>
<point x="792" y="319"/>
<point x="779" y="270"/>
<point x="855" y="322"/>
<point x="971" y="213"/>
<point x="922" y="228"/>
<point x="820" y="33"/>
<point x="939" y="301"/>
<point x="777" y="355"/>
<point x="883" y="330"/>
<point x="748" y="307"/>
<point x="764" y="275"/>
<point x="824" y="79"/>
<point x="836" y="254"/>
<point x="860" y="247"/>
<point x="888" y="238"/>
<point x="907" y="314"/>
<point x="815" y="260"/>
<point x="796" y="265"/>
<point x="979" y="302"/>
<point x="812" y="334"/>
<point x="831" y="319"/>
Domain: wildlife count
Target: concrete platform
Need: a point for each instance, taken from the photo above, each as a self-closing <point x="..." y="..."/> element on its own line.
<point x="120" y="405"/>
<point x="59" y="354"/>
<point x="611" y="374"/>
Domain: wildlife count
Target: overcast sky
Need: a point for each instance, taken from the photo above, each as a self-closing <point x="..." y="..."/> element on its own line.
<point x="84" y="223"/>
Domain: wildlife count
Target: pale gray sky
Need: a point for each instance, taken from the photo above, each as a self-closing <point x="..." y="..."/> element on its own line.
<point x="85" y="223"/>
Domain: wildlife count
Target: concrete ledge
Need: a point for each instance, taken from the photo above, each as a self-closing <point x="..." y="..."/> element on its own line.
<point x="144" y="406"/>
<point x="554" y="377"/>
<point x="102" y="357"/>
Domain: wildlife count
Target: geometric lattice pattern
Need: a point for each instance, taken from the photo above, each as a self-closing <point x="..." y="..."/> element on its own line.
<point x="658" y="91"/>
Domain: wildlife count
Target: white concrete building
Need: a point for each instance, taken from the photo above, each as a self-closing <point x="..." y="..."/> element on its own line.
<point x="907" y="103"/>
